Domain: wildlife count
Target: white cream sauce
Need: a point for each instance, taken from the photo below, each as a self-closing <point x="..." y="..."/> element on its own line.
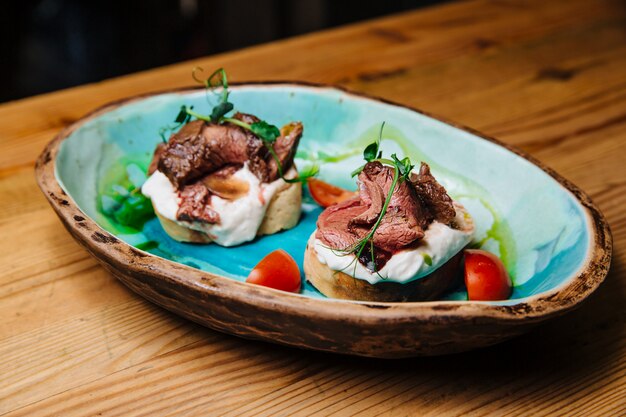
<point x="439" y="245"/>
<point x="240" y="219"/>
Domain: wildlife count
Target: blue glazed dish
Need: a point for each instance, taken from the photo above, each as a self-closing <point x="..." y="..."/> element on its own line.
<point x="552" y="239"/>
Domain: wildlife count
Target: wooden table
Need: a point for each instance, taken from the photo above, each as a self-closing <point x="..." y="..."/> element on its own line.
<point x="546" y="76"/>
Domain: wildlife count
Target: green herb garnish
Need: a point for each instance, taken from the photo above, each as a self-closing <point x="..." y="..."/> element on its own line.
<point x="182" y="118"/>
<point x="401" y="172"/>
<point x="404" y="166"/>
<point x="372" y="151"/>
<point x="134" y="210"/>
<point x="124" y="202"/>
<point x="268" y="133"/>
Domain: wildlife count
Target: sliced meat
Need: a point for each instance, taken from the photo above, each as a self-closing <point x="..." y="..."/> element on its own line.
<point x="200" y="159"/>
<point x="195" y="205"/>
<point x="398" y="229"/>
<point x="413" y="206"/>
<point x="200" y="148"/>
<point x="154" y="164"/>
<point x="372" y="195"/>
<point x="246" y="118"/>
<point x="433" y="195"/>
<point x="334" y="231"/>
<point x="332" y="224"/>
<point x="403" y="222"/>
<point x="180" y="161"/>
<point x="258" y="154"/>
<point x="285" y="148"/>
<point x="225" y="172"/>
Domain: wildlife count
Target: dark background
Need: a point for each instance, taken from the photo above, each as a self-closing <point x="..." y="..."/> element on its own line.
<point x="53" y="44"/>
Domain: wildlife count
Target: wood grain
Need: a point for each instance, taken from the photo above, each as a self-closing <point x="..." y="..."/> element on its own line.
<point x="549" y="77"/>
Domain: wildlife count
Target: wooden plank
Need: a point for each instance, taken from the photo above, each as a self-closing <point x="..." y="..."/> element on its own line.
<point x="73" y="352"/>
<point x="549" y="77"/>
<point x="207" y="377"/>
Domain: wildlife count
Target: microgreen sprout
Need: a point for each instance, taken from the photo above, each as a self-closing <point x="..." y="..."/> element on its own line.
<point x="182" y="118"/>
<point x="401" y="172"/>
<point x="268" y="133"/>
<point x="372" y="151"/>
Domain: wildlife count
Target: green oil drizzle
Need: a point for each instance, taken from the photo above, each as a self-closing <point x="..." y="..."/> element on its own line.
<point x="323" y="157"/>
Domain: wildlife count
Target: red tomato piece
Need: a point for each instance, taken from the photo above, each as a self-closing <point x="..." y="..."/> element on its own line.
<point x="486" y="278"/>
<point x="277" y="270"/>
<point x="326" y="194"/>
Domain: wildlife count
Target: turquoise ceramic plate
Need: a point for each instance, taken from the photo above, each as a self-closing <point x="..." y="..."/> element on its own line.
<point x="545" y="230"/>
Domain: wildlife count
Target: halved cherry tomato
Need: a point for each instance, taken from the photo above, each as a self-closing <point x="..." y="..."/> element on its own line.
<point x="326" y="194"/>
<point x="486" y="278"/>
<point x="277" y="270"/>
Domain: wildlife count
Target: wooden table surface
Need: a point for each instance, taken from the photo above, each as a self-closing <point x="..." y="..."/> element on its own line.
<point x="546" y="76"/>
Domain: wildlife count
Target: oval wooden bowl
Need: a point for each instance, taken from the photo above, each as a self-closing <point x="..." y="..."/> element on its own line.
<point x="387" y="330"/>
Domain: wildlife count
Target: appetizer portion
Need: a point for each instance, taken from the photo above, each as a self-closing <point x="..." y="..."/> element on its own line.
<point x="401" y="238"/>
<point x="225" y="179"/>
<point x="219" y="183"/>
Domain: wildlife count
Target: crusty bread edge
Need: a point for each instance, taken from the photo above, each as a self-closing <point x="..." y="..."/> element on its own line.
<point x="283" y="212"/>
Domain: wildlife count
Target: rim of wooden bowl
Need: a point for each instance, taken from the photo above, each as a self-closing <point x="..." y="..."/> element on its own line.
<point x="120" y="255"/>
